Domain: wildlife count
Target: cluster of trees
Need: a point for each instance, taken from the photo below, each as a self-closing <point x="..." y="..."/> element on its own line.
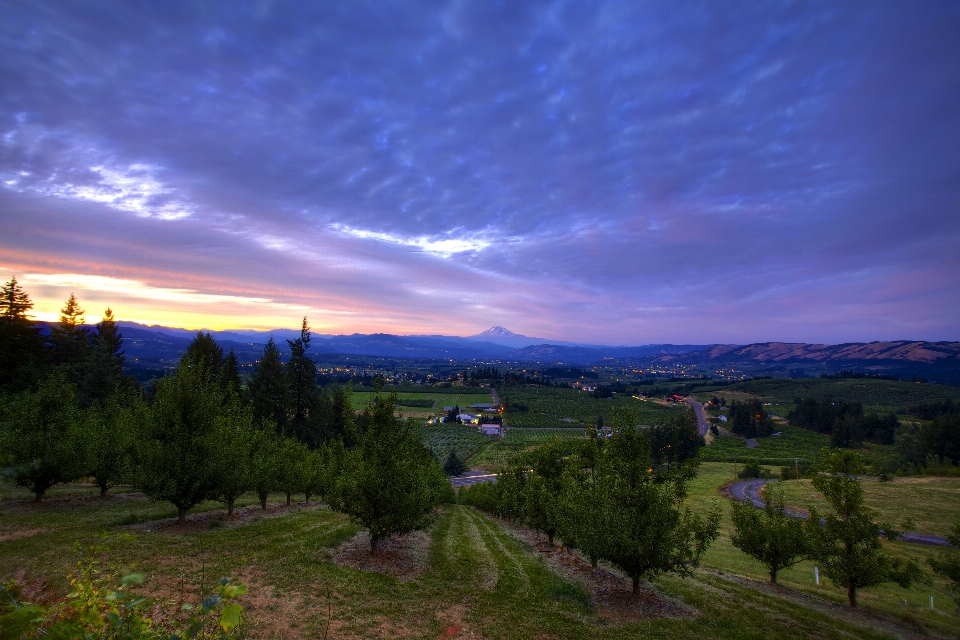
<point x="749" y="419"/>
<point x="844" y="422"/>
<point x="198" y="434"/>
<point x="616" y="497"/>
<point x="845" y="543"/>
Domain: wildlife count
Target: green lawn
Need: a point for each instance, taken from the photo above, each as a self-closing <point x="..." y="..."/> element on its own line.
<point x="793" y="443"/>
<point x="477" y="579"/>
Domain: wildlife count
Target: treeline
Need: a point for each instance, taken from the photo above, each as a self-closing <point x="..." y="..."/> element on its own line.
<point x="749" y="419"/>
<point x="844" y="422"/>
<point x="197" y="434"/>
<point x="614" y="496"/>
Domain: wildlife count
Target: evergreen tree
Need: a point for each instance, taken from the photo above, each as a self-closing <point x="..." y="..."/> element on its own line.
<point x="230" y="373"/>
<point x="69" y="341"/>
<point x="847" y="544"/>
<point x="21" y="345"/>
<point x="205" y="356"/>
<point x="104" y="372"/>
<point x="268" y="388"/>
<point x="769" y="536"/>
<point x="454" y="466"/>
<point x="40" y="436"/>
<point x="302" y="381"/>
<point x="390" y="482"/>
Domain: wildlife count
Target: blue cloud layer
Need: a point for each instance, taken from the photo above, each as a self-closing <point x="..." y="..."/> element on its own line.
<point x="620" y="171"/>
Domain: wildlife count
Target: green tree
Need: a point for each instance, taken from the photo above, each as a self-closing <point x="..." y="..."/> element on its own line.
<point x="302" y="381"/>
<point x="294" y="467"/>
<point x="230" y="373"/>
<point x="40" y="436"/>
<point x="232" y="448"/>
<point x="846" y="543"/>
<point x="543" y="487"/>
<point x="176" y="451"/>
<point x="21" y="345"/>
<point x="390" y="482"/>
<point x="652" y="533"/>
<point x="205" y="356"/>
<point x="453" y="466"/>
<point x="586" y="519"/>
<point x="109" y="438"/>
<point x="268" y="388"/>
<point x="104" y="372"/>
<point x="770" y="536"/>
<point x="947" y="564"/>
<point x="265" y="471"/>
<point x="69" y="341"/>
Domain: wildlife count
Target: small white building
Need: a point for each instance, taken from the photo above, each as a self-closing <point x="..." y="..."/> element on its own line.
<point x="491" y="429"/>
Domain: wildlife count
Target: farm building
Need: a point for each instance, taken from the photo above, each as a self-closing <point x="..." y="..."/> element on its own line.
<point x="491" y="429"/>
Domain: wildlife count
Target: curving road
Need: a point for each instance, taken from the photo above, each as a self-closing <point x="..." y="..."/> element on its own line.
<point x="701" y="421"/>
<point x="749" y="491"/>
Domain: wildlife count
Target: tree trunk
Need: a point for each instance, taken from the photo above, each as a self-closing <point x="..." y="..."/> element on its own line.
<point x="852" y="596"/>
<point x="263" y="500"/>
<point x="181" y="515"/>
<point x="773" y="576"/>
<point x="38" y="496"/>
<point x="306" y="498"/>
<point x="636" y="584"/>
<point x="103" y="490"/>
<point x="230" y="507"/>
<point x="373" y="546"/>
<point x="550" y="539"/>
<point x="593" y="563"/>
<point x="288" y="498"/>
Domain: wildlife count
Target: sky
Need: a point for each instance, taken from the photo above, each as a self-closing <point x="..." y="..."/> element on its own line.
<point x="609" y="172"/>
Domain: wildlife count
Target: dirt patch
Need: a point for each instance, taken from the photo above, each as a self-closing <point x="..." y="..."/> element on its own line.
<point x="196" y="522"/>
<point x="611" y="591"/>
<point x="16" y="534"/>
<point x="403" y="557"/>
<point x="72" y="502"/>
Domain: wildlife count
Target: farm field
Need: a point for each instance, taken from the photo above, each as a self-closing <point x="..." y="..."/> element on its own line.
<point x="932" y="502"/>
<point x="794" y="442"/>
<point x="504" y="451"/>
<point x="469" y="574"/>
<point x="549" y="407"/>
<point x="445" y="437"/>
<point x="438" y="401"/>
<point x="882" y="396"/>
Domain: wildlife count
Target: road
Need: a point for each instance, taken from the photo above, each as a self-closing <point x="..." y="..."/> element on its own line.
<point x="749" y="491"/>
<point x="701" y="421"/>
<point x="472" y="477"/>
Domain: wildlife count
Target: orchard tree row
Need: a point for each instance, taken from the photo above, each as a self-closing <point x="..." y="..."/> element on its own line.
<point x="616" y="497"/>
<point x="198" y="435"/>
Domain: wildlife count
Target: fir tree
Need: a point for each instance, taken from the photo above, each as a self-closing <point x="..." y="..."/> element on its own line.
<point x="21" y="345"/>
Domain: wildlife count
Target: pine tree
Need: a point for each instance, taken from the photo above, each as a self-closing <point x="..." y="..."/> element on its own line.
<point x="104" y="372"/>
<point x="70" y="341"/>
<point x="230" y="373"/>
<point x="205" y="355"/>
<point x="268" y="388"/>
<point x="302" y="381"/>
<point x="21" y="345"/>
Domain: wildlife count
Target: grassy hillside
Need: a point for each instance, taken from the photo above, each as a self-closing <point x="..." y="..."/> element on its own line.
<point x="469" y="577"/>
<point x="549" y="407"/>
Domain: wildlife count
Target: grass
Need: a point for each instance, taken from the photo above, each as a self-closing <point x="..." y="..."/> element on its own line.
<point x="517" y="442"/>
<point x="550" y="407"/>
<point x="478" y="579"/>
<point x="932" y="502"/>
<point x="361" y="399"/>
<point x="793" y="443"/>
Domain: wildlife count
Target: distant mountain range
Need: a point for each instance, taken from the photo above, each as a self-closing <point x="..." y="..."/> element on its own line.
<point x="933" y="360"/>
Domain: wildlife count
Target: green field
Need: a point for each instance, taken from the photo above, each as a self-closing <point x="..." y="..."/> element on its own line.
<point x="445" y="437"/>
<point x="793" y="443"/>
<point x="932" y="502"/>
<point x="476" y="578"/>
<point x="361" y="399"/>
<point x="881" y="396"/>
<point x="505" y="451"/>
<point x="550" y="407"/>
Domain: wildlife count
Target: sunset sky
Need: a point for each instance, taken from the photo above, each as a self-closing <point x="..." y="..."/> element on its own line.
<point x="618" y="173"/>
